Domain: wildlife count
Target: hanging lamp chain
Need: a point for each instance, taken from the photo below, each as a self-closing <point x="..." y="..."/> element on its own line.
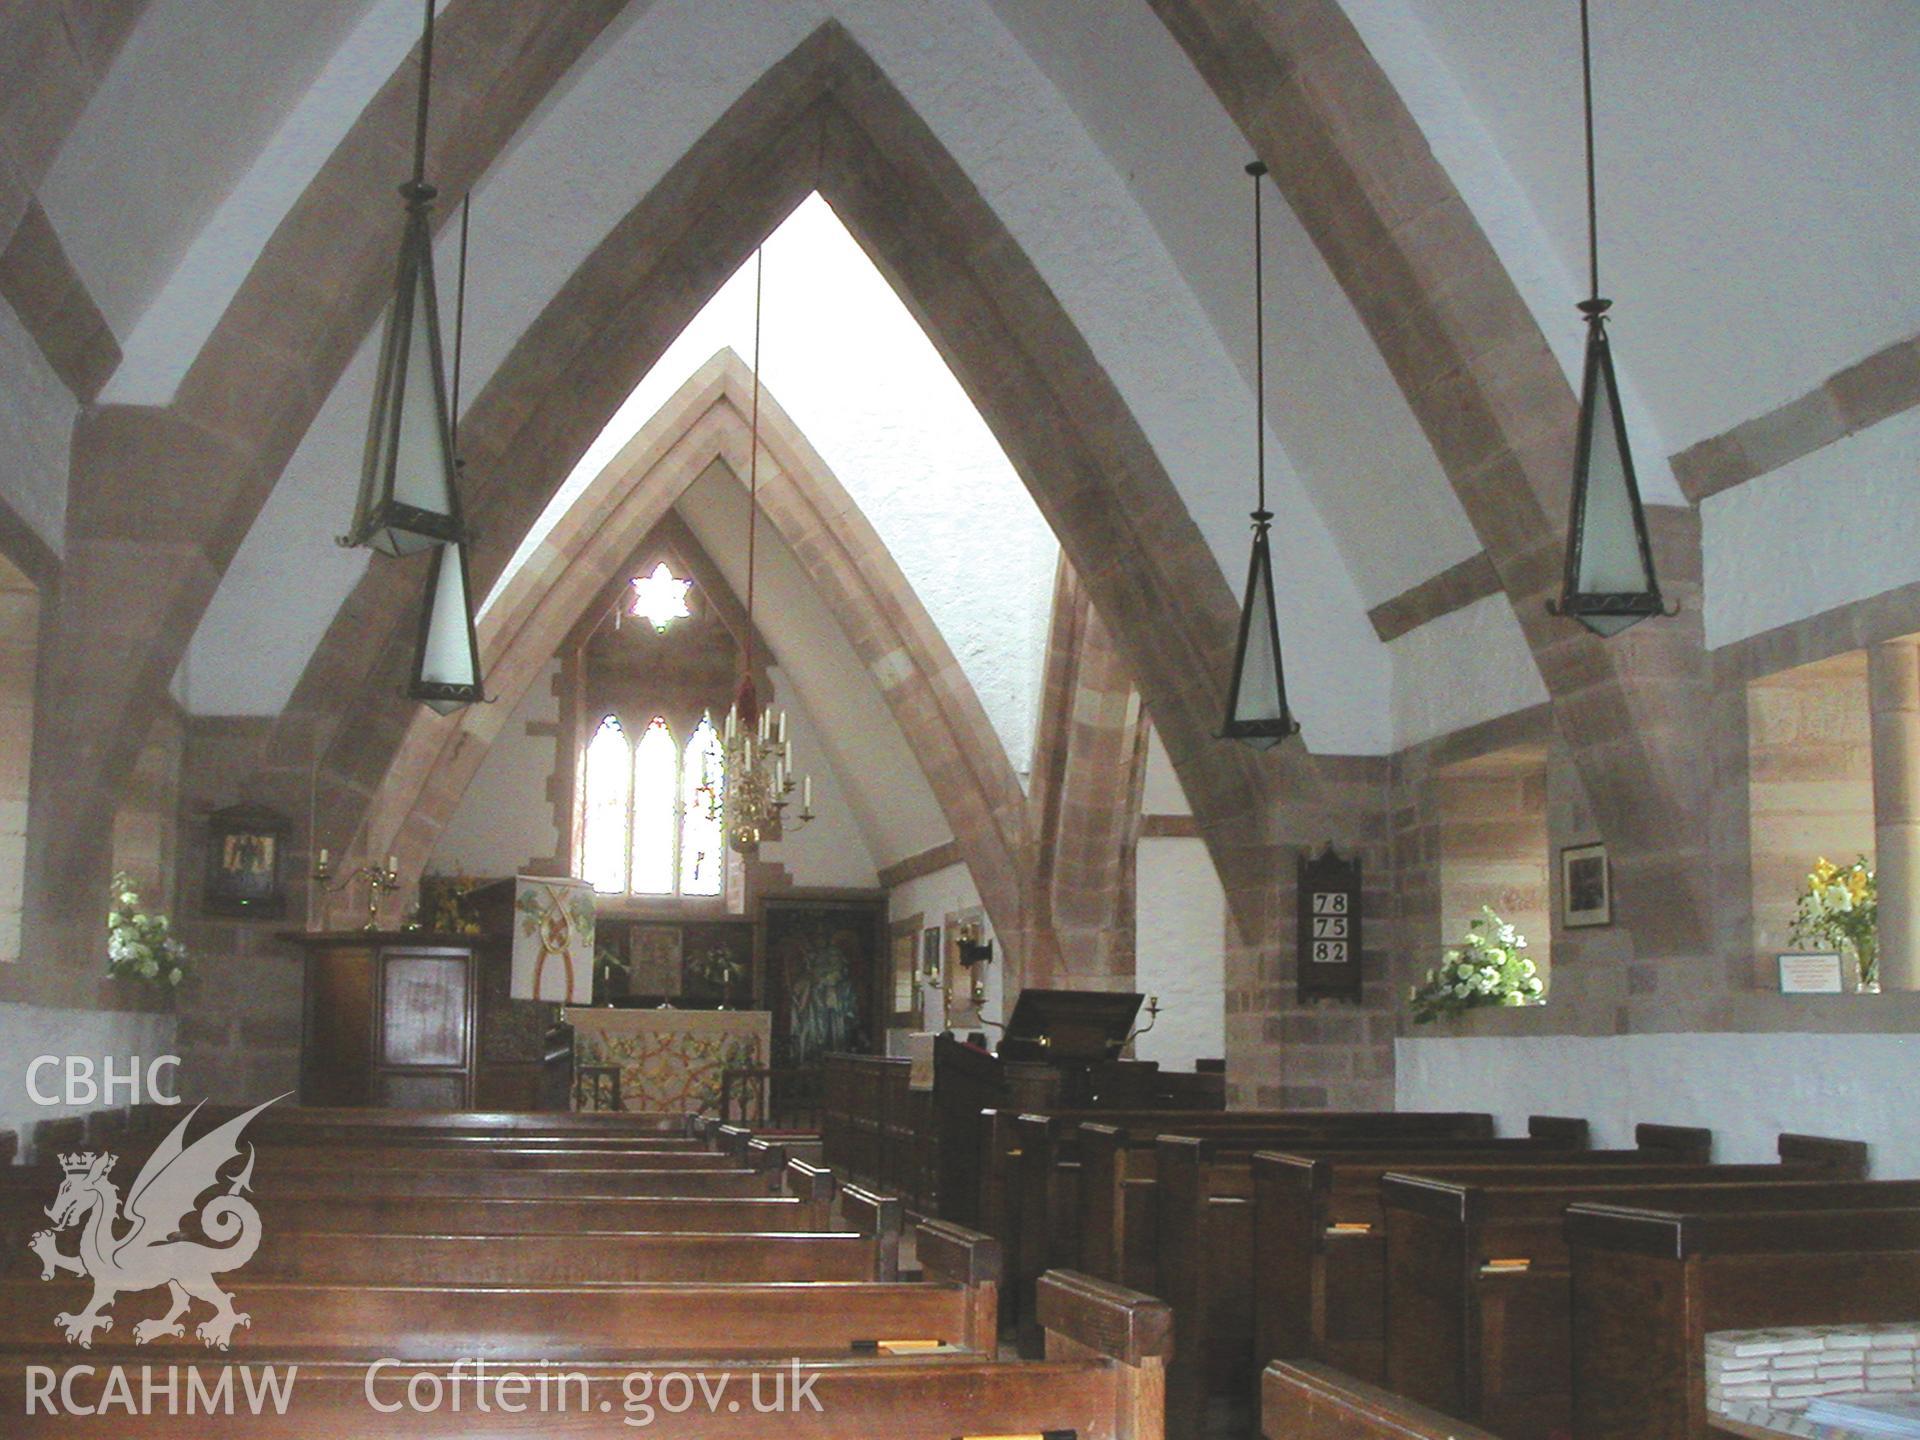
<point x="420" y="111"/>
<point x="459" y="327"/>
<point x="1594" y="305"/>
<point x="1261" y="514"/>
<point x="753" y="457"/>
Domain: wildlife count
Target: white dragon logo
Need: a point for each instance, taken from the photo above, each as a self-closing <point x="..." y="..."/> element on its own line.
<point x="150" y="1251"/>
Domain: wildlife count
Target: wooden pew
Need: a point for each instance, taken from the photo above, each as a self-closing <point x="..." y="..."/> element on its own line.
<point x="350" y="1122"/>
<point x="439" y="1321"/>
<point x="1649" y="1285"/>
<point x="300" y="1250"/>
<point x="1000" y="1140"/>
<point x="1320" y="1289"/>
<point x="808" y="1204"/>
<point x="1492" y="1345"/>
<point x="1306" y="1400"/>
<point x="277" y="1156"/>
<point x="1039" y="1189"/>
<point x="1101" y="1381"/>
<point x="1116" y="1184"/>
<point x="514" y="1184"/>
<point x="340" y="1258"/>
<point x="1207" y="1251"/>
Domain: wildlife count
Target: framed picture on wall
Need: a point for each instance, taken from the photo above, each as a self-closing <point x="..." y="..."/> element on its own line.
<point x="1586" y="887"/>
<point x="653" y="960"/>
<point x="904" y="971"/>
<point x="243" y="877"/>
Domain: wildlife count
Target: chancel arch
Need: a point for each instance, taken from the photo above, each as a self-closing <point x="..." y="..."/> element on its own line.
<point x="825" y="118"/>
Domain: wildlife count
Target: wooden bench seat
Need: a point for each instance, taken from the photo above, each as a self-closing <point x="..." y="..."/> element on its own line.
<point x="1101" y="1381"/>
<point x="319" y="1257"/>
<point x="1320" y="1283"/>
<point x="808" y="1204"/>
<point x="1001" y="1138"/>
<point x="1491" y="1343"/>
<point x="509" y="1184"/>
<point x="605" y="1319"/>
<point x="1117" y="1176"/>
<point x="1207" y="1251"/>
<point x="1306" y="1400"/>
<point x="1041" y="1200"/>
<point x="1648" y="1285"/>
<point x="345" y="1122"/>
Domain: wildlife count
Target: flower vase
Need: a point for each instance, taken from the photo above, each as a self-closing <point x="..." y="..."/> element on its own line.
<point x="1866" y="965"/>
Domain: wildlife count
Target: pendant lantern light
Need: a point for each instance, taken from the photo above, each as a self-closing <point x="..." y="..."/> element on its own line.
<point x="1257" y="712"/>
<point x="1610" y="582"/>
<point x="409" y="498"/>
<point x="446" y="660"/>
<point x="446" y="664"/>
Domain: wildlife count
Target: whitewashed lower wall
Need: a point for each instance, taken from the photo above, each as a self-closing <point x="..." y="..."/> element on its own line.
<point x="1180" y="952"/>
<point x="1746" y="1088"/>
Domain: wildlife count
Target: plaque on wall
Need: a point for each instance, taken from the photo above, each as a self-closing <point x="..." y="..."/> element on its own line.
<point x="1328" y="907"/>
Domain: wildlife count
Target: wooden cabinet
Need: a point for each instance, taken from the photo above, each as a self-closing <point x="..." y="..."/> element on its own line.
<point x="415" y="1021"/>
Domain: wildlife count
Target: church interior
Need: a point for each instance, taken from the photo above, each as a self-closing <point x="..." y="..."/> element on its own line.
<point x="1160" y="718"/>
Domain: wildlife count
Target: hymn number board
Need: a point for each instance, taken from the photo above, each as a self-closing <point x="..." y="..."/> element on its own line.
<point x="1329" y="911"/>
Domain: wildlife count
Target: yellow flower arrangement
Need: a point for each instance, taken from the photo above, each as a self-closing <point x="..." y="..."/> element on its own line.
<point x="1841" y="907"/>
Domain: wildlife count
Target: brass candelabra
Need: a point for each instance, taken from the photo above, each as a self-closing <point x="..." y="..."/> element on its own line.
<point x="379" y="879"/>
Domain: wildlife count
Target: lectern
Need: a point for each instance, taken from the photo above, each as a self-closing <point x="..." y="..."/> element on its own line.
<point x="1061" y="1050"/>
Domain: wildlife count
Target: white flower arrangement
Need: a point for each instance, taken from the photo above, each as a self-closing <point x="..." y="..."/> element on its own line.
<point x="1489" y="967"/>
<point x="141" y="946"/>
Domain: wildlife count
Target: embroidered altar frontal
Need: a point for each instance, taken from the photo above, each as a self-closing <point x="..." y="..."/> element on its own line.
<point x="664" y="1060"/>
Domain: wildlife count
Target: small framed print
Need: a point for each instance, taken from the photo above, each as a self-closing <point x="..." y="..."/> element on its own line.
<point x="1810" y="972"/>
<point x="931" y="947"/>
<point x="243" y="876"/>
<point x="1586" y="887"/>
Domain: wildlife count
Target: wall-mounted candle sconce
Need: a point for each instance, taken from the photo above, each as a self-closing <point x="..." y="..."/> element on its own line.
<point x="974" y="952"/>
<point x="1153" y="1017"/>
<point x="971" y="948"/>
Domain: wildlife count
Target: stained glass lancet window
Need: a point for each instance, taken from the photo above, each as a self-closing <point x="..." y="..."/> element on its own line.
<point x="656" y="772"/>
<point x="606" y="796"/>
<point x="702" y="849"/>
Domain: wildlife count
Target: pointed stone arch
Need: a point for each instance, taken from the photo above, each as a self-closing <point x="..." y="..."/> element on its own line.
<point x="706" y="424"/>
<point x="825" y="118"/>
<point x="1496" y="407"/>
<point x="137" y="575"/>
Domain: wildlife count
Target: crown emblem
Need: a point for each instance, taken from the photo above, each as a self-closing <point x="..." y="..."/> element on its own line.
<point x="77" y="1163"/>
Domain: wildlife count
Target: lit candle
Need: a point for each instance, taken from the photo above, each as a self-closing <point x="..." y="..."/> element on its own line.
<point x="393" y="863"/>
<point x="783" y="727"/>
<point x="325" y="856"/>
<point x="733" y="720"/>
<point x="806" y="793"/>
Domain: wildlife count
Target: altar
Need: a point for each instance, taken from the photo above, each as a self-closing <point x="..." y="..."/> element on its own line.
<point x="664" y="1059"/>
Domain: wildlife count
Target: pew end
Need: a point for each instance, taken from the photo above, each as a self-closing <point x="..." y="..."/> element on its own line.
<point x="815" y="1187"/>
<point x="954" y="1255"/>
<point x="1847" y="1159"/>
<point x="1684" y="1142"/>
<point x="878" y="1217"/>
<point x="1567" y="1130"/>
<point x="1305" y="1400"/>
<point x="767" y="1157"/>
<point x="1087" y="1319"/>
